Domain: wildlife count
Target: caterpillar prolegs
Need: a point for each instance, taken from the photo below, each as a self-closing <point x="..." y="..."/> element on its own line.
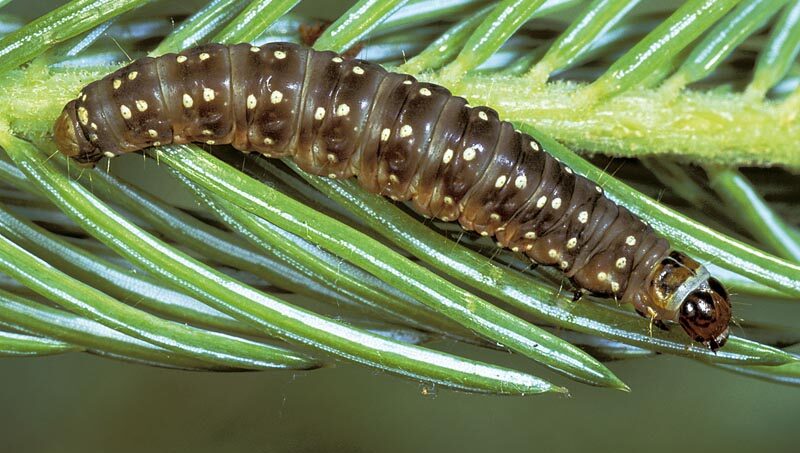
<point x="404" y="139"/>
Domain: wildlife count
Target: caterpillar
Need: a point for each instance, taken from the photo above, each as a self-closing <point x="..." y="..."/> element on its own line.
<point x="404" y="139"/>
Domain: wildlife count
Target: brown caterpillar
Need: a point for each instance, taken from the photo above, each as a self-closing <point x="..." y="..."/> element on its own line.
<point x="403" y="139"/>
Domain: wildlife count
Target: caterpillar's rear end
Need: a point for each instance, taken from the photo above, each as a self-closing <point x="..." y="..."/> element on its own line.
<point x="403" y="139"/>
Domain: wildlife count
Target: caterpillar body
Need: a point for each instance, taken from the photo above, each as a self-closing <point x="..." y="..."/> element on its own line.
<point x="404" y="139"/>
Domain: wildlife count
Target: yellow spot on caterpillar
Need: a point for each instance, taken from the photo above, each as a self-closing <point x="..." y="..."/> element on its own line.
<point x="552" y="253"/>
<point x="556" y="203"/>
<point x="470" y="153"/>
<point x="448" y="200"/>
<point x="602" y="276"/>
<point x="269" y="141"/>
<point x="276" y="97"/>
<point x="482" y="115"/>
<point x="424" y="91"/>
<point x="615" y="287"/>
<point x="152" y="133"/>
<point x="535" y="146"/>
<point x="393" y="178"/>
<point x="630" y="240"/>
<point x="342" y="110"/>
<point x="598" y="189"/>
<point x="500" y="182"/>
<point x="109" y="154"/>
<point x="336" y="60"/>
<point x="204" y="56"/>
<point x="495" y="216"/>
<point x="568" y="170"/>
<point x="448" y="156"/>
<point x="210" y="142"/>
<point x="407" y="82"/>
<point x="530" y="235"/>
<point x="521" y="182"/>
<point x="484" y="233"/>
<point x="358" y="70"/>
<point x="181" y="58"/>
<point x="541" y="202"/>
<point x="563" y="264"/>
<point x="385" y="134"/>
<point x="141" y="105"/>
<point x="279" y="54"/>
<point x="156" y="143"/>
<point x="621" y="262"/>
<point x="319" y="113"/>
<point x="207" y="132"/>
<point x="572" y="243"/>
<point x="405" y="131"/>
<point x="116" y="83"/>
<point x="188" y="102"/>
<point x="331" y="157"/>
<point x="83" y="115"/>
<point x="583" y="217"/>
<point x="94" y="126"/>
<point x="332" y="175"/>
<point x="515" y="249"/>
<point x="251" y="102"/>
<point x="132" y="75"/>
<point x="125" y="111"/>
<point x="208" y="94"/>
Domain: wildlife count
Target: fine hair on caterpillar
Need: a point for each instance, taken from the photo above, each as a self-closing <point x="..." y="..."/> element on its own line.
<point x="404" y="139"/>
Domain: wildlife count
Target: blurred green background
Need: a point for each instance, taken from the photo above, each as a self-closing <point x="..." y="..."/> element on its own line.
<point x="82" y="403"/>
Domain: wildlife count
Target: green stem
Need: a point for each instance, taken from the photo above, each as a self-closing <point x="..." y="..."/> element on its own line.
<point x="221" y="246"/>
<point x="495" y="29"/>
<point x="594" y="21"/>
<point x="34" y="318"/>
<point x="447" y="46"/>
<point x="20" y="345"/>
<point x="780" y="52"/>
<point x="126" y="285"/>
<point x="89" y="302"/>
<point x="359" y="20"/>
<point x="245" y="303"/>
<point x="659" y="47"/>
<point x="348" y="278"/>
<point x="753" y="212"/>
<point x="58" y="25"/>
<point x="259" y="15"/>
<point x="722" y="40"/>
<point x="200" y="25"/>
<point x="376" y="258"/>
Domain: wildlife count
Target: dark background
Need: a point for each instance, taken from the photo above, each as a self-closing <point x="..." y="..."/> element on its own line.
<point x="83" y="403"/>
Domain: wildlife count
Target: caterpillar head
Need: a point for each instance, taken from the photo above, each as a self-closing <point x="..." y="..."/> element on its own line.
<point x="683" y="289"/>
<point x="705" y="314"/>
<point x="70" y="139"/>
